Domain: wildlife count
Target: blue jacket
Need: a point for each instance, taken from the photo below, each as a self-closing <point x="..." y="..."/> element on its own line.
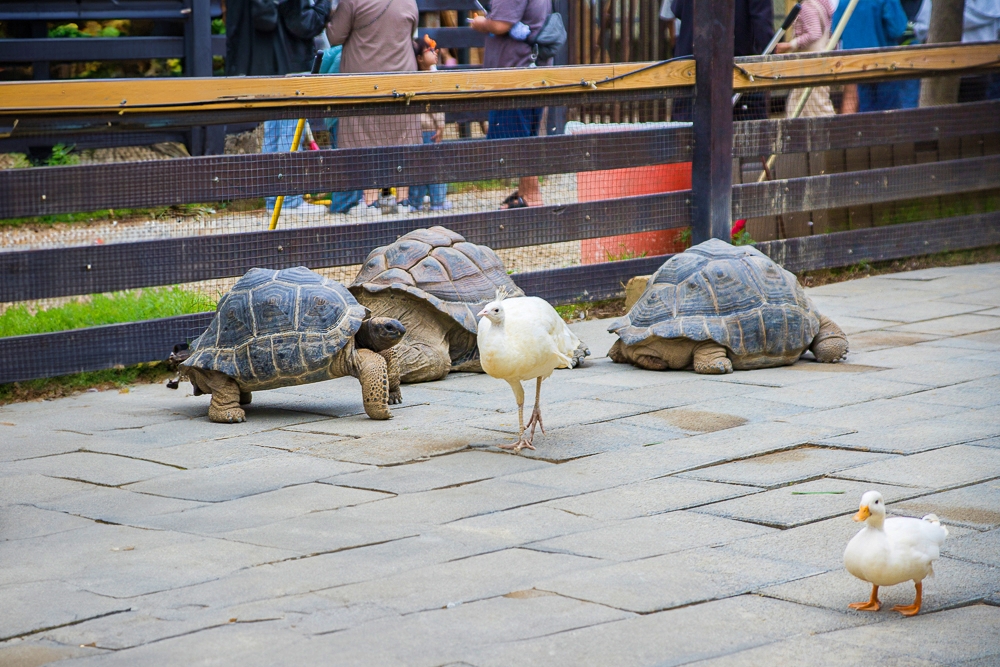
<point x="874" y="23"/>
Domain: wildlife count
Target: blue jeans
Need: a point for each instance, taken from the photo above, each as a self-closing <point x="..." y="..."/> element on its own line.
<point x="888" y="95"/>
<point x="278" y="135"/>
<point x="437" y="192"/>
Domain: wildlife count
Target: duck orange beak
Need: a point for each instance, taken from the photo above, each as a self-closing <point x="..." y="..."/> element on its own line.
<point x="863" y="513"/>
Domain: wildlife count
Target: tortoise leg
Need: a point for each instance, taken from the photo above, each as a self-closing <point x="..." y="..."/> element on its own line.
<point x="710" y="359"/>
<point x="830" y="344"/>
<point x="374" y="376"/>
<point x="617" y="353"/>
<point x="580" y="354"/>
<point x="392" y="368"/>
<point x="225" y="406"/>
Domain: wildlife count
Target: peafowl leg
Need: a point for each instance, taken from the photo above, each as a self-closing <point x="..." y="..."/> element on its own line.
<point x="536" y="414"/>
<point x="521" y="442"/>
<point x="912" y="609"/>
<point x="872" y="604"/>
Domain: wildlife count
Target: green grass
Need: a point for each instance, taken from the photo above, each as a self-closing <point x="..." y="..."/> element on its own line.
<point x="128" y="306"/>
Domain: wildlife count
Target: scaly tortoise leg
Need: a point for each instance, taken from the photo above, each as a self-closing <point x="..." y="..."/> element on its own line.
<point x="710" y="359"/>
<point x="830" y="344"/>
<point x="225" y="406"/>
<point x="392" y="368"/>
<point x="374" y="377"/>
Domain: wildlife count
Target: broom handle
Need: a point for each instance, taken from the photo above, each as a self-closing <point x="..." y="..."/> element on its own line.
<point x="280" y="199"/>
<point x="789" y="20"/>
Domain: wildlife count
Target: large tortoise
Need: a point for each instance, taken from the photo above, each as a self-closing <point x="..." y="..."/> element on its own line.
<point x="434" y="282"/>
<point x="719" y="307"/>
<point x="291" y="327"/>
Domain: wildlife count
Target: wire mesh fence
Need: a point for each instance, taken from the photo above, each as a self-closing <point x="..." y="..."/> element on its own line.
<point x="576" y="192"/>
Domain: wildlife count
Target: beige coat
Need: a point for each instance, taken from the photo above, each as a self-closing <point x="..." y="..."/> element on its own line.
<point x="378" y="37"/>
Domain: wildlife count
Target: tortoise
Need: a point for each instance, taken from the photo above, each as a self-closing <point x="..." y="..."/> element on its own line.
<point x="434" y="282"/>
<point x="718" y="307"/>
<point x="291" y="327"/>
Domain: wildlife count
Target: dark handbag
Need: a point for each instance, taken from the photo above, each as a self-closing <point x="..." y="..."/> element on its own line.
<point x="548" y="39"/>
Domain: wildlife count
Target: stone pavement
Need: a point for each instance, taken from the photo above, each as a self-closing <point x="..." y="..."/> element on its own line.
<point x="664" y="519"/>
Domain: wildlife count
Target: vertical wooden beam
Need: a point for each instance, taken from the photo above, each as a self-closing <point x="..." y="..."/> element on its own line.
<point x="711" y="177"/>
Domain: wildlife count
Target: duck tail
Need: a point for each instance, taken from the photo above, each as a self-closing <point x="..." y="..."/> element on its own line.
<point x="933" y="518"/>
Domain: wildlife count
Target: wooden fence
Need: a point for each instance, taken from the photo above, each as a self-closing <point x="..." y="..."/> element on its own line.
<point x="40" y="274"/>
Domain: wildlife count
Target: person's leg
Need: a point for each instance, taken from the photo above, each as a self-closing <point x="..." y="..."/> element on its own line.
<point x="437" y="192"/>
<point x="519" y="123"/>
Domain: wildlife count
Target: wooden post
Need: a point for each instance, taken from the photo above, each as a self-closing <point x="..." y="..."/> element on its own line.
<point x="712" y="166"/>
<point x="198" y="62"/>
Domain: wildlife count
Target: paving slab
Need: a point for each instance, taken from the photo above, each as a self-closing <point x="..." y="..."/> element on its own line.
<point x="675" y="579"/>
<point x="878" y="414"/>
<point x="466" y="580"/>
<point x="516" y="527"/>
<point x="404" y="445"/>
<point x="450" y="504"/>
<point x="208" y="453"/>
<point x="951" y="636"/>
<point x="678" y="394"/>
<point x="568" y="413"/>
<point x="246" y="644"/>
<point x="799" y="504"/>
<point x="966" y="426"/>
<point x="819" y="544"/>
<point x="672" y="637"/>
<point x="244" y="478"/>
<point x="927" y="310"/>
<point x="976" y="506"/>
<point x="944" y="373"/>
<point x="437" y="473"/>
<point x="89" y="467"/>
<point x="114" y="505"/>
<point x="23" y="521"/>
<point x="573" y="442"/>
<point x="869" y="341"/>
<point x="443" y="636"/>
<point x="937" y="469"/>
<point x="260" y="509"/>
<point x="983" y="393"/>
<point x="837" y="392"/>
<point x="787" y="467"/>
<point x="976" y="547"/>
<point x="954" y="583"/>
<point x="648" y="497"/>
<point x="890" y="355"/>
<point x="32" y="651"/>
<point x="817" y="651"/>
<point x="30" y="489"/>
<point x="649" y="536"/>
<point x="319" y="532"/>
<point x="403" y="417"/>
<point x="957" y="325"/>
<point x="28" y="608"/>
<point x="21" y="438"/>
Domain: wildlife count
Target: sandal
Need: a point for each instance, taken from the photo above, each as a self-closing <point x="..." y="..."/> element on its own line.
<point x="515" y="200"/>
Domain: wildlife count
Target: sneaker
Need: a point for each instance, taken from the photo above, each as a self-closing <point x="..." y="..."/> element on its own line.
<point x="446" y="206"/>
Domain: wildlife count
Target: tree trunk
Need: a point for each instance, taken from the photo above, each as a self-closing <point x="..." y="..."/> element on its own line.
<point x="945" y="26"/>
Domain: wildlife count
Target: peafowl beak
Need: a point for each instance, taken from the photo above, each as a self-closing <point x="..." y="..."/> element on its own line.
<point x="863" y="513"/>
<point x="481" y="313"/>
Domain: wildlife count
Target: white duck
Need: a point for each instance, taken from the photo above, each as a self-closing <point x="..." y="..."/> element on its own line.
<point x="890" y="551"/>
<point x="519" y="339"/>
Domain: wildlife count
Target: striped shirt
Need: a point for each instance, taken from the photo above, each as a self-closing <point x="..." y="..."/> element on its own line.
<point x="813" y="21"/>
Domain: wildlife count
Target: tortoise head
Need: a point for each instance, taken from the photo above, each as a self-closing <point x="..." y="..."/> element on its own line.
<point x="379" y="333"/>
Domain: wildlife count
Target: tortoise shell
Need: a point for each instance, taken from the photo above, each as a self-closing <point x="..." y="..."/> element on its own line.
<point x="733" y="295"/>
<point x="278" y="328"/>
<point x="440" y="267"/>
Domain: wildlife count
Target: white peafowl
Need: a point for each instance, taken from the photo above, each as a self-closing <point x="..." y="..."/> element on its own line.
<point x="522" y="338"/>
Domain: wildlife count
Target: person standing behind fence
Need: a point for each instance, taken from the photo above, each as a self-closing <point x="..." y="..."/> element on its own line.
<point x="377" y="36"/>
<point x="876" y="24"/>
<point x="432" y="128"/>
<point x="264" y="38"/>
<point x="504" y="50"/>
<point x="812" y="33"/>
